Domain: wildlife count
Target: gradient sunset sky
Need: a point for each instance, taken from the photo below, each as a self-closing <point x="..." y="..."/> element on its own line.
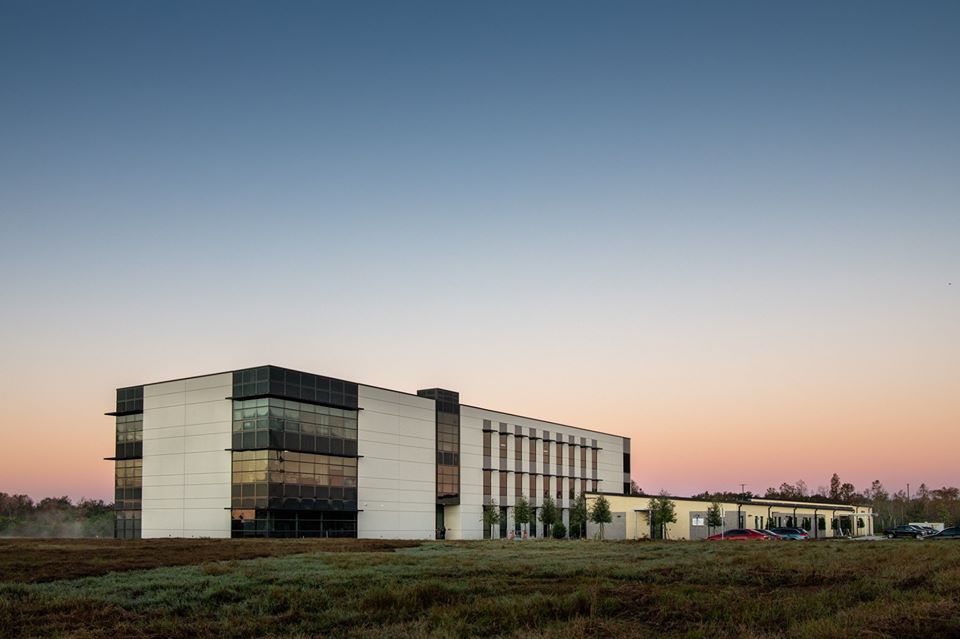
<point x="727" y="230"/>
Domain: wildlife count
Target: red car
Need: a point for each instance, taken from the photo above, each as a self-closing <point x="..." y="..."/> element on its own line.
<point x="739" y="534"/>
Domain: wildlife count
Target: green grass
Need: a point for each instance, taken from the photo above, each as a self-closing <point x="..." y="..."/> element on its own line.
<point x="518" y="589"/>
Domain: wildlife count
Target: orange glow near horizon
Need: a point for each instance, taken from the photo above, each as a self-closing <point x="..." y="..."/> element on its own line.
<point x="690" y="432"/>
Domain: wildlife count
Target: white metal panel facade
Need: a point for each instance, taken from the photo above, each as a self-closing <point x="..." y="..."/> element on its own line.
<point x="187" y="427"/>
<point x="396" y="472"/>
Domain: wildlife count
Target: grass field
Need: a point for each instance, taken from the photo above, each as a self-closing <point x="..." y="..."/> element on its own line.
<point x="299" y="588"/>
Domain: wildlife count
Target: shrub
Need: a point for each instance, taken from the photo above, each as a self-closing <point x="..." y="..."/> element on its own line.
<point x="559" y="530"/>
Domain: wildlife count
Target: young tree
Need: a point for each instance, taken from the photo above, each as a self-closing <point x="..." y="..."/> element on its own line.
<point x="491" y="516"/>
<point x="578" y="516"/>
<point x="548" y="515"/>
<point x="662" y="512"/>
<point x="522" y="512"/>
<point x="714" y="517"/>
<point x="600" y="513"/>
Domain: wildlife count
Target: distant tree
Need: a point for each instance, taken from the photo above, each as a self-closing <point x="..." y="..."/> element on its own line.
<point x="916" y="509"/>
<point x="847" y="493"/>
<point x="600" y="513"/>
<point x="946" y="494"/>
<point x="943" y="513"/>
<point x="491" y="516"/>
<point x="801" y="488"/>
<point x="724" y="496"/>
<point x="94" y="508"/>
<point x="578" y="516"/>
<point x="15" y="505"/>
<point x="714" y="517"/>
<point x="835" y="487"/>
<point x="662" y="512"/>
<point x="635" y="489"/>
<point x="522" y="512"/>
<point x="876" y="492"/>
<point x="548" y="515"/>
<point x="897" y="508"/>
<point x="54" y="517"/>
<point x="54" y="503"/>
<point x="787" y="491"/>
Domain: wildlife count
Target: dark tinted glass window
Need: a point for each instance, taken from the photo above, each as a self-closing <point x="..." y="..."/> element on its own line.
<point x="294" y="481"/>
<point x="129" y="436"/>
<point x="253" y="522"/>
<point x="130" y="399"/>
<point x="270" y="422"/>
<point x="285" y="383"/>
<point x="128" y="491"/>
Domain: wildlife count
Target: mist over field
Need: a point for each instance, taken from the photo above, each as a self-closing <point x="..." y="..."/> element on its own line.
<point x="54" y="517"/>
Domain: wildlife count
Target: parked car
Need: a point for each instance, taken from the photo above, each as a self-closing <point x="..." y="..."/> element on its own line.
<point x="905" y="530"/>
<point x="798" y="534"/>
<point x="947" y="533"/>
<point x="739" y="534"/>
<point x="772" y="535"/>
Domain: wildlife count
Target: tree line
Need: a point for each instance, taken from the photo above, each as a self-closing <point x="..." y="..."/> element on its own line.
<point x="20" y="516"/>
<point x="941" y="505"/>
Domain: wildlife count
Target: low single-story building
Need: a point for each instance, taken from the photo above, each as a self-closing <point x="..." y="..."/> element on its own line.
<point x="632" y="520"/>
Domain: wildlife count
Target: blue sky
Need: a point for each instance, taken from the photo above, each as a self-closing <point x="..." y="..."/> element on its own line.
<point x="680" y="203"/>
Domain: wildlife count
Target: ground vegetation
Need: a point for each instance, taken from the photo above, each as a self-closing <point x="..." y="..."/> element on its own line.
<point x="804" y="590"/>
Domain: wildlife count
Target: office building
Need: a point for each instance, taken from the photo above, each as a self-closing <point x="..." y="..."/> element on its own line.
<point x="269" y="451"/>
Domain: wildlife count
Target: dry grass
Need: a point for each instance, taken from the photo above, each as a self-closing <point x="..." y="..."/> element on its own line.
<point x="523" y="589"/>
<point x="34" y="560"/>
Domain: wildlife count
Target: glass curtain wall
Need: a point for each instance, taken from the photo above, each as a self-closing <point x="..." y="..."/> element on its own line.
<point x="447" y="416"/>
<point x="128" y="489"/>
<point x="294" y="455"/>
<point x="128" y="463"/>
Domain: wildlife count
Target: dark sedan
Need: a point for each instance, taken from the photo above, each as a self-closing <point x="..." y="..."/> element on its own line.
<point x="947" y="533"/>
<point x="905" y="530"/>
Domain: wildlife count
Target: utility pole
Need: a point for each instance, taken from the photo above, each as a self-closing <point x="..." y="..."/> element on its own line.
<point x="906" y="507"/>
